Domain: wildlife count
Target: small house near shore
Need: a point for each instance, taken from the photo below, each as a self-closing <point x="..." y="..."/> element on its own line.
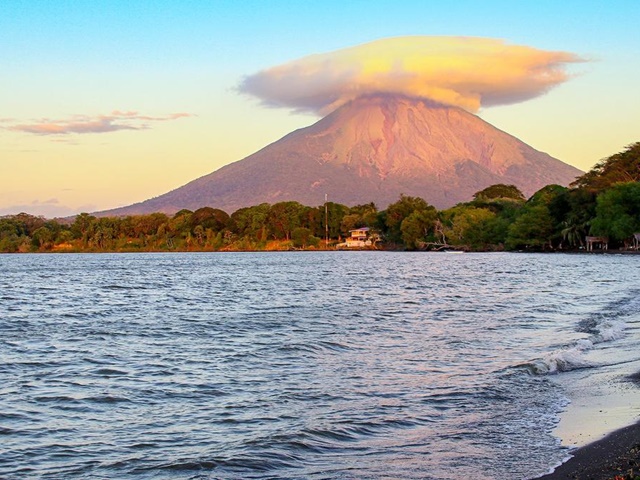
<point x="358" y="238"/>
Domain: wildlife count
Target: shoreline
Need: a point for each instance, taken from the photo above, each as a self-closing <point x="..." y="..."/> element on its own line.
<point x="279" y="250"/>
<point x="616" y="456"/>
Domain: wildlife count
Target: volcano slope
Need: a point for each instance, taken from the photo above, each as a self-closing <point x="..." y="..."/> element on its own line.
<point x="372" y="150"/>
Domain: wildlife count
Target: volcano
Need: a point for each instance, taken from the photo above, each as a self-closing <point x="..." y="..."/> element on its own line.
<point x="372" y="150"/>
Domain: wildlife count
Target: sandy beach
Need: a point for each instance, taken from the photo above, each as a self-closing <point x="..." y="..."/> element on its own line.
<point x="617" y="456"/>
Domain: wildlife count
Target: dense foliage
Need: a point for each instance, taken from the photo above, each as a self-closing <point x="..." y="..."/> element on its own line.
<point x="603" y="202"/>
<point x="623" y="167"/>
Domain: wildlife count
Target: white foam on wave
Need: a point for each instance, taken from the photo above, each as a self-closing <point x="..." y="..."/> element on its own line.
<point x="584" y="344"/>
<point x="610" y="330"/>
<point x="597" y="401"/>
<point x="573" y="357"/>
<point x="564" y="360"/>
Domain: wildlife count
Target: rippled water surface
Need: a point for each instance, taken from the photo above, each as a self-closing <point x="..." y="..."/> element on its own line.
<point x="300" y="365"/>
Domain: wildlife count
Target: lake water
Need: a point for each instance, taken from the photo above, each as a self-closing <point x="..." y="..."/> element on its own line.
<point x="327" y="365"/>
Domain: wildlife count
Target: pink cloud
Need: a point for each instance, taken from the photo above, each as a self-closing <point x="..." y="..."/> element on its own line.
<point x="81" y="124"/>
<point x="464" y="71"/>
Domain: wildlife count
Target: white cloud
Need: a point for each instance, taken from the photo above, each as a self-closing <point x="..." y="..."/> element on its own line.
<point x="467" y="72"/>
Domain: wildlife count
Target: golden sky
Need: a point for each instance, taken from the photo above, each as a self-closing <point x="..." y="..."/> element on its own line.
<point x="104" y="104"/>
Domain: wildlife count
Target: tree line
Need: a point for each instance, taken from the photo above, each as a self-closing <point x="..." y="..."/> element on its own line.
<point x="604" y="202"/>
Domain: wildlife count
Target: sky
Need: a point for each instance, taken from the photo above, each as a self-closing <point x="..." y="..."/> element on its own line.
<point x="108" y="103"/>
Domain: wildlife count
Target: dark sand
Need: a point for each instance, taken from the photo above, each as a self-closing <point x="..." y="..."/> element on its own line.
<point x="618" y="454"/>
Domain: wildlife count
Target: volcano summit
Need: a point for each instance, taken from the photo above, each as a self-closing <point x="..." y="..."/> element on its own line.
<point x="372" y="149"/>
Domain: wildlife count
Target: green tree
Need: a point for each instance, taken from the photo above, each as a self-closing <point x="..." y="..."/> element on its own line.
<point x="251" y="222"/>
<point x="300" y="237"/>
<point x="471" y="226"/>
<point x="12" y="234"/>
<point x="199" y="234"/>
<point x="536" y="227"/>
<point x="350" y="222"/>
<point x="104" y="231"/>
<point x="82" y="227"/>
<point x="182" y="213"/>
<point x="336" y="212"/>
<point x="621" y="167"/>
<point x="573" y="210"/>
<point x="359" y="216"/>
<point x="312" y="219"/>
<point x="546" y="195"/>
<point x="618" y="212"/>
<point x="64" y="236"/>
<point x="208" y="217"/>
<point x="495" y="230"/>
<point x="417" y="226"/>
<point x="147" y="225"/>
<point x="29" y="223"/>
<point x="532" y="229"/>
<point x="367" y="212"/>
<point x="178" y="228"/>
<point x="499" y="190"/>
<point x="42" y="238"/>
<point x="283" y="218"/>
<point x="397" y="212"/>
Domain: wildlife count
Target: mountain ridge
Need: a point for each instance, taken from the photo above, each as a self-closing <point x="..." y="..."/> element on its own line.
<point x="372" y="150"/>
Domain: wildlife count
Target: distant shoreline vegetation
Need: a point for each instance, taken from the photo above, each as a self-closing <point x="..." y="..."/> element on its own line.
<point x="603" y="203"/>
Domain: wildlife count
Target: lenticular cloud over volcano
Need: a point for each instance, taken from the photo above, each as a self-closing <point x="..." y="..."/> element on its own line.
<point x="467" y="72"/>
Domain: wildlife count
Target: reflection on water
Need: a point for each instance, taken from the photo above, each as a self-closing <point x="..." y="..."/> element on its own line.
<point x="299" y="365"/>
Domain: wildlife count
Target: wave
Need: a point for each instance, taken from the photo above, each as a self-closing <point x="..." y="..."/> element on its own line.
<point x="602" y="327"/>
<point x="109" y="372"/>
<point x="235" y="466"/>
<point x="108" y="399"/>
<point x="563" y="360"/>
<point x="319" y="347"/>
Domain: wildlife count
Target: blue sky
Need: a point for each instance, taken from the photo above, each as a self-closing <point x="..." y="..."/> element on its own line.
<point x="70" y="60"/>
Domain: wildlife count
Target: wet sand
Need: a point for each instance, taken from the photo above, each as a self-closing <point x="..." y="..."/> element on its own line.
<point x="602" y="402"/>
<point x="617" y="454"/>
